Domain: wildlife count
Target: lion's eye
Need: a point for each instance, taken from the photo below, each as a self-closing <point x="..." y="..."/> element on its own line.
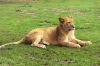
<point x="68" y="22"/>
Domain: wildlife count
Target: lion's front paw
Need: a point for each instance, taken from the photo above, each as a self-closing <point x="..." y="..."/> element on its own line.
<point x="75" y="46"/>
<point x="89" y="42"/>
<point x="84" y="43"/>
<point x="43" y="46"/>
<point x="78" y="46"/>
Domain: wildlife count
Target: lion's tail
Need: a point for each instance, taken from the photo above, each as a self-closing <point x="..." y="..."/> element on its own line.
<point x="14" y="43"/>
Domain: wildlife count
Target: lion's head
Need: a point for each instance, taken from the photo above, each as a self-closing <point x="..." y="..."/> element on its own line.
<point x="66" y="23"/>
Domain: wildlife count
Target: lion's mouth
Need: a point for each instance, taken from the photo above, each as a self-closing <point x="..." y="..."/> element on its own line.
<point x="71" y="29"/>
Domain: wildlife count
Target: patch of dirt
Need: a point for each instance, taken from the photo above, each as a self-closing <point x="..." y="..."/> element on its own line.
<point x="67" y="61"/>
<point x="25" y="5"/>
<point x="98" y="64"/>
<point x="98" y="54"/>
<point x="47" y="23"/>
<point x="25" y="11"/>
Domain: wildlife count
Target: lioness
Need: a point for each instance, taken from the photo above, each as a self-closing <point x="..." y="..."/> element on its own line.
<point x="63" y="35"/>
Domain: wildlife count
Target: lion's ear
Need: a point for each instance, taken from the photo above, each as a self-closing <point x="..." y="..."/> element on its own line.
<point x="71" y="17"/>
<point x="61" y="20"/>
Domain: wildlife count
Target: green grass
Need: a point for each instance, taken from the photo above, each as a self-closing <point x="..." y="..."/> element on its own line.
<point x="14" y="25"/>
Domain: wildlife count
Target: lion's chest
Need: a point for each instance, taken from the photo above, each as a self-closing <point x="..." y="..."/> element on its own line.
<point x="69" y="37"/>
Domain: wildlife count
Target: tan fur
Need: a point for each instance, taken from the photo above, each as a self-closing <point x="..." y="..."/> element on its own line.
<point x="63" y="35"/>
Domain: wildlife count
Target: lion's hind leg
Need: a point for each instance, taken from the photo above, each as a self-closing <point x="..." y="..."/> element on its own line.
<point x="37" y="41"/>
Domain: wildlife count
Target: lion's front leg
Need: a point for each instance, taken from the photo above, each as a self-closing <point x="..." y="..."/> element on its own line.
<point x="70" y="44"/>
<point x="81" y="42"/>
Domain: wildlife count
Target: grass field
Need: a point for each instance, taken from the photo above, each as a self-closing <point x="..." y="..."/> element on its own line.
<point x="16" y="19"/>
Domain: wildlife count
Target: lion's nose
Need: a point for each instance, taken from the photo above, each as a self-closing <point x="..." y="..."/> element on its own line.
<point x="73" y="26"/>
